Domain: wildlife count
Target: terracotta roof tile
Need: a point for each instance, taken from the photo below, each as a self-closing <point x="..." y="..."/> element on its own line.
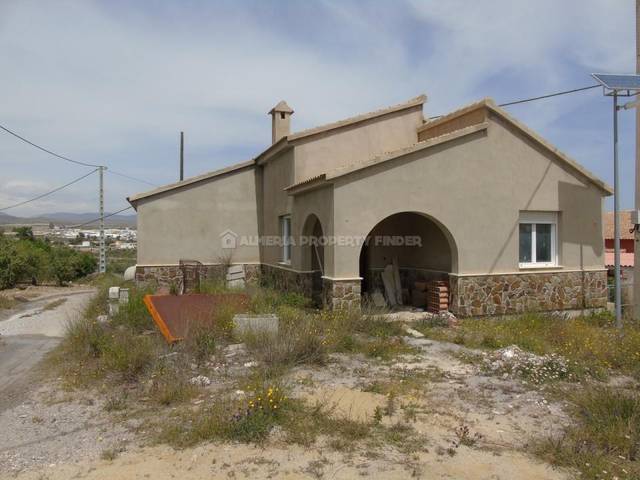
<point x="625" y="225"/>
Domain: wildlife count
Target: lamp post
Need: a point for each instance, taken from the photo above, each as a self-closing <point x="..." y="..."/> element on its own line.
<point x="614" y="86"/>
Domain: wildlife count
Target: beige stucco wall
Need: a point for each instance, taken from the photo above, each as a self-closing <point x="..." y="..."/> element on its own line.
<point x="432" y="253"/>
<point x="319" y="203"/>
<point x="186" y="223"/>
<point x="277" y="174"/>
<point x="475" y="186"/>
<point x="363" y="141"/>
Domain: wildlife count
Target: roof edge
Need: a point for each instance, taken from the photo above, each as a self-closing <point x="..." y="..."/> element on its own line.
<point x="189" y="181"/>
<point x="487" y="101"/>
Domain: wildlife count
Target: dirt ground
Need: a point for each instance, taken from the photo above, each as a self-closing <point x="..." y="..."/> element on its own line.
<point x="52" y="437"/>
<point x="28" y="333"/>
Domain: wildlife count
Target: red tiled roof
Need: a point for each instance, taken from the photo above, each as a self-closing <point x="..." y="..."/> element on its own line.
<point x="625" y="225"/>
<point x="626" y="259"/>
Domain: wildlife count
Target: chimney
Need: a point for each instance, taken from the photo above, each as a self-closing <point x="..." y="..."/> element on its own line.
<point x="280" y="121"/>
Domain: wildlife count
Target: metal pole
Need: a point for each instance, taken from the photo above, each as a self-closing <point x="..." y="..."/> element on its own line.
<point x="636" y="255"/>
<point x="102" y="266"/>
<point x="616" y="210"/>
<point x="181" y="156"/>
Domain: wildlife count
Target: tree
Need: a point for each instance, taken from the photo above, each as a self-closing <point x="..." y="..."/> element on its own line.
<point x="24" y="233"/>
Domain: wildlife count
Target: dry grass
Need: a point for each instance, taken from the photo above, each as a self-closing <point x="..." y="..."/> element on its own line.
<point x="7" y="303"/>
<point x="604" y="441"/>
<point x="308" y="337"/>
<point x="591" y="343"/>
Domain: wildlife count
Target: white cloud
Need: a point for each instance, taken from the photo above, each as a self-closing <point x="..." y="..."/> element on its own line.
<point x="115" y="83"/>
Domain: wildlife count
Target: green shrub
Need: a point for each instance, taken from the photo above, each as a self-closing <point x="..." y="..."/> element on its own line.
<point x="31" y="260"/>
<point x="134" y="314"/>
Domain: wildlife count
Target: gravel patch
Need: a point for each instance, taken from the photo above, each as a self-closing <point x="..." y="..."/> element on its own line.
<point x="52" y="428"/>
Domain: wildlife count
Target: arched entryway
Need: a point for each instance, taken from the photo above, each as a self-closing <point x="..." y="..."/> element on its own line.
<point x="313" y="255"/>
<point x="420" y="249"/>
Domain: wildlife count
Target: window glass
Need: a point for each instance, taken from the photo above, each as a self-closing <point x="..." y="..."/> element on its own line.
<point x="285" y="230"/>
<point x="543" y="242"/>
<point x="525" y="242"/>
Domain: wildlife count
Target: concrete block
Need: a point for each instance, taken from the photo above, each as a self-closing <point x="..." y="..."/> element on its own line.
<point x="235" y="276"/>
<point x="236" y="269"/>
<point x="114" y="293"/>
<point x="246" y="323"/>
<point x="378" y="299"/>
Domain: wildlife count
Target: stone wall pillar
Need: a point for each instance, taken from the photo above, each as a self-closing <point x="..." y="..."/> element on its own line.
<point x="341" y="294"/>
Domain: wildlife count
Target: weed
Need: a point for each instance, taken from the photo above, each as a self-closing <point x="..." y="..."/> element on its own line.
<point x="174" y="288"/>
<point x="116" y="403"/>
<point x="267" y="300"/>
<point x="110" y="454"/>
<point x="591" y="343"/>
<point x="604" y="437"/>
<point x="295" y="343"/>
<point x="169" y="385"/>
<point x="134" y="313"/>
<point x="127" y="354"/>
<point x="248" y="420"/>
<point x="377" y="415"/>
<point x="200" y="343"/>
<point x="465" y="437"/>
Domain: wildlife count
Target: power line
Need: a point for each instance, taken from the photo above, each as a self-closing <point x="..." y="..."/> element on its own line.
<point x="47" y="151"/>
<point x="516" y="102"/>
<point x="120" y="174"/>
<point x="541" y="97"/>
<point x="98" y="219"/>
<point x="50" y="192"/>
<point x="77" y="162"/>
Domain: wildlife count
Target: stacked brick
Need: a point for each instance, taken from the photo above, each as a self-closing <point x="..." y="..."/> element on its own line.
<point x="438" y="297"/>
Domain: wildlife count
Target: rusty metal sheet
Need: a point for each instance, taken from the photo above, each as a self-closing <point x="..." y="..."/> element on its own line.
<point x="176" y="315"/>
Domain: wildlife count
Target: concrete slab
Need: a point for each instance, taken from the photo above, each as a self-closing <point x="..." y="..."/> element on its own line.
<point x="246" y="323"/>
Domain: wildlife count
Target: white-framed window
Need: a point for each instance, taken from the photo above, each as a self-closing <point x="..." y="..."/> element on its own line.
<point x="285" y="233"/>
<point x="538" y="239"/>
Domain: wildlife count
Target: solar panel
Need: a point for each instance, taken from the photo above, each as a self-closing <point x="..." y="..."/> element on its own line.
<point x="618" y="82"/>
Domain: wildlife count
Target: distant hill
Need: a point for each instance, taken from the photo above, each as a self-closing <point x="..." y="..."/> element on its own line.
<point x="66" y="218"/>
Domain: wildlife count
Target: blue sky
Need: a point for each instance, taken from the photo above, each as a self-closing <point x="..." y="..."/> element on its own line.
<point x="115" y="81"/>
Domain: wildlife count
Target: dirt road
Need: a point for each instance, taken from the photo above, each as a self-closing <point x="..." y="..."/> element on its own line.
<point x="28" y="335"/>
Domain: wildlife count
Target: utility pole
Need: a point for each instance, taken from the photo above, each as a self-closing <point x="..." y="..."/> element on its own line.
<point x="616" y="213"/>
<point x="182" y="154"/>
<point x="636" y="255"/>
<point x="102" y="266"/>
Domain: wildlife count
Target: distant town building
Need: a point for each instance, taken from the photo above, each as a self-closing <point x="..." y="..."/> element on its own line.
<point x="627" y="249"/>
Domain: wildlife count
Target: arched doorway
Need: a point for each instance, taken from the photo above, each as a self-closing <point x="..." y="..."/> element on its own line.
<point x="418" y="247"/>
<point x="313" y="255"/>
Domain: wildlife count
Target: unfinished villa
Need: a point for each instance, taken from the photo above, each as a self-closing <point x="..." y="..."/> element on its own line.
<point x="471" y="212"/>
